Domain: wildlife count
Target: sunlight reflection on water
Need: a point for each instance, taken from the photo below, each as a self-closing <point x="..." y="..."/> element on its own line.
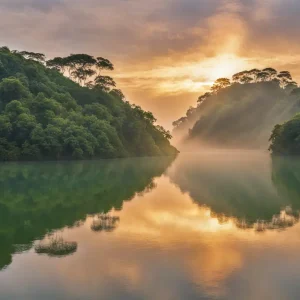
<point x="214" y="225"/>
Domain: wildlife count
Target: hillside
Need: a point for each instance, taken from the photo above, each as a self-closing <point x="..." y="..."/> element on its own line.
<point x="243" y="112"/>
<point x="46" y="115"/>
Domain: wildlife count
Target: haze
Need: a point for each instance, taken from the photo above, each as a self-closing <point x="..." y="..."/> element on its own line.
<point x="166" y="53"/>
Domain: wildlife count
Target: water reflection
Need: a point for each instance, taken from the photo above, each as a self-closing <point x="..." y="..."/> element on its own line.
<point x="105" y="222"/>
<point x="285" y="219"/>
<point x="286" y="178"/>
<point x="37" y="198"/>
<point x="230" y="231"/>
<point x="56" y="247"/>
<point x="247" y="187"/>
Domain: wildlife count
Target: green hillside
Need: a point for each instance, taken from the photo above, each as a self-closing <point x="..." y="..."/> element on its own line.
<point x="285" y="138"/>
<point x="241" y="112"/>
<point x="46" y="115"/>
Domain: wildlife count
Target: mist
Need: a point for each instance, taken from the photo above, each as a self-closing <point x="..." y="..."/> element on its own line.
<point x="238" y="116"/>
<point x="244" y="185"/>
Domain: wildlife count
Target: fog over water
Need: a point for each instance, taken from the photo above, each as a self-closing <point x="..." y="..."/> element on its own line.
<point x="218" y="224"/>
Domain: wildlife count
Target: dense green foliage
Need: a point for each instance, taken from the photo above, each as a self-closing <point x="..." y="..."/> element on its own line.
<point x="285" y="138"/>
<point x="37" y="198"/>
<point x="45" y="115"/>
<point x="241" y="112"/>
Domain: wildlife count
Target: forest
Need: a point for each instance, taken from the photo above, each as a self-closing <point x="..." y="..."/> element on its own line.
<point x="244" y="111"/>
<point x="66" y="108"/>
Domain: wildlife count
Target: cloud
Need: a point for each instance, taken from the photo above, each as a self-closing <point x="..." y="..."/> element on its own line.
<point x="23" y="5"/>
<point x="161" y="47"/>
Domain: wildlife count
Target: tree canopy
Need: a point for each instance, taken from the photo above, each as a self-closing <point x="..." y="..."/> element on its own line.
<point x="81" y="67"/>
<point x="241" y="111"/>
<point x="285" y="137"/>
<point x="64" y="108"/>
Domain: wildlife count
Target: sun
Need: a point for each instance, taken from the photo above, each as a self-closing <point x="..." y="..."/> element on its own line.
<point x="225" y="66"/>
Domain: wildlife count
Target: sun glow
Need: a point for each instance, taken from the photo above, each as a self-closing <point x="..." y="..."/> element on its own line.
<point x="189" y="76"/>
<point x="226" y="65"/>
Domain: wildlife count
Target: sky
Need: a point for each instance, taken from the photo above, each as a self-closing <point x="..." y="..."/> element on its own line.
<point x="166" y="53"/>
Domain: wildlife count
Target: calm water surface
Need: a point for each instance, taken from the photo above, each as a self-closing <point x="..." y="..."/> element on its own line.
<point x="217" y="225"/>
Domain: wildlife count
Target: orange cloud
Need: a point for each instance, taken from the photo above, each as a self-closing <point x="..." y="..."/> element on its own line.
<point x="162" y="50"/>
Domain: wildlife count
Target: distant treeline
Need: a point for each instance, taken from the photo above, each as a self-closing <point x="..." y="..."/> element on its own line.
<point x="242" y="112"/>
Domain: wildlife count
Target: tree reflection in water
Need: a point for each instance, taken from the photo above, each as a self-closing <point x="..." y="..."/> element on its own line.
<point x="39" y="198"/>
<point x="56" y="247"/>
<point x="285" y="219"/>
<point x="252" y="189"/>
<point x="105" y="222"/>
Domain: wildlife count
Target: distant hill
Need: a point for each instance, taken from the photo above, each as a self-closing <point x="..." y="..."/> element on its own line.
<point x="243" y="112"/>
<point x="65" y="108"/>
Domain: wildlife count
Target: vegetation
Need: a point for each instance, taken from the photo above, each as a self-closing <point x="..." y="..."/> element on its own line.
<point x="105" y="222"/>
<point x="38" y="198"/>
<point x="56" y="246"/>
<point x="65" y="108"/>
<point x="285" y="137"/>
<point x="243" y="111"/>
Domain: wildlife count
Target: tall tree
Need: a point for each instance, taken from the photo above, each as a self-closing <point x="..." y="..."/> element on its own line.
<point x="262" y="76"/>
<point x="253" y="74"/>
<point x="285" y="78"/>
<point x="82" y="75"/>
<point x="40" y="57"/>
<point x="80" y="65"/>
<point x="272" y="73"/>
<point x="103" y="64"/>
<point x="238" y="76"/>
<point x="219" y="84"/>
<point x="104" y="83"/>
<point x="57" y="63"/>
<point x="246" y="79"/>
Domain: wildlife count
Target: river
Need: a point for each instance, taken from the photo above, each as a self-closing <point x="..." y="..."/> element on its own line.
<point x="210" y="225"/>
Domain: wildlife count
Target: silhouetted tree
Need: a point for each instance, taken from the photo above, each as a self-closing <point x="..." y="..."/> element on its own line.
<point x="219" y="84"/>
<point x="202" y="98"/>
<point x="238" y="76"/>
<point x="40" y="57"/>
<point x="272" y="72"/>
<point x="57" y="63"/>
<point x="104" y="83"/>
<point x="103" y="64"/>
<point x="118" y="93"/>
<point x="246" y="79"/>
<point x="285" y="78"/>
